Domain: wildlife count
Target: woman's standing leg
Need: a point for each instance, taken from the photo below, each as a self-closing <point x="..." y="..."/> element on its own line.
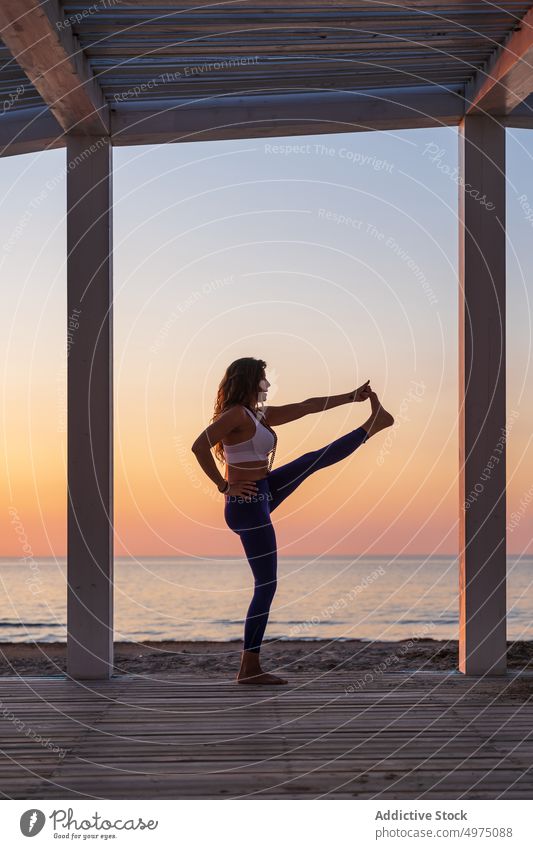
<point x="285" y="479"/>
<point x="260" y="548"/>
<point x="251" y="521"/>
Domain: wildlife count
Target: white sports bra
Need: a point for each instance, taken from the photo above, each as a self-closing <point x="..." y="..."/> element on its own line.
<point x="256" y="448"/>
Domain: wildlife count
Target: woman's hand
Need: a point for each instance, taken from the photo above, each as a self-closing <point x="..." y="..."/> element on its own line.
<point x="363" y="392"/>
<point x="242" y="488"/>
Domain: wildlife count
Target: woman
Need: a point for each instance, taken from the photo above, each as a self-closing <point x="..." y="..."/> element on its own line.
<point x="241" y="433"/>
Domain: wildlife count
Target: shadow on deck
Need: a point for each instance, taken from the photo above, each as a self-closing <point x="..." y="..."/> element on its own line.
<point x="401" y="736"/>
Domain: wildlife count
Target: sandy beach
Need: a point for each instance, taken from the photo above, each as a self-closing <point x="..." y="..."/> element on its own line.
<point x="219" y="659"/>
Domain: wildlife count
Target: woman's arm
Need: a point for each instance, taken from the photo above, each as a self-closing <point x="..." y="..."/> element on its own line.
<point x="290" y="412"/>
<point x="207" y="462"/>
<point x="209" y="437"/>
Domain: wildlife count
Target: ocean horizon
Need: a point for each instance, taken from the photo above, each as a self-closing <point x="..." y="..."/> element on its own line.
<point x="374" y="597"/>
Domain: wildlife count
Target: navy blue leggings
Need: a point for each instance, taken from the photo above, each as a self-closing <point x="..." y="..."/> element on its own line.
<point x="250" y="519"/>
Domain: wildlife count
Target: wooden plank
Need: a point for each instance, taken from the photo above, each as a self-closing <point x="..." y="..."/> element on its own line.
<point x="150" y="51"/>
<point x="437" y="7"/>
<point x="151" y="30"/>
<point x="47" y="52"/>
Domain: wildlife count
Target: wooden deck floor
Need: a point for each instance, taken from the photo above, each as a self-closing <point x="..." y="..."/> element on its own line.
<point x="402" y="735"/>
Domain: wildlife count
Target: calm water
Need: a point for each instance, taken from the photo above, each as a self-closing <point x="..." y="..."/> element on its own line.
<point x="202" y="599"/>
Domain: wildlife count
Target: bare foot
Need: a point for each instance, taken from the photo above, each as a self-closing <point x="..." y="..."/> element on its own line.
<point x="380" y="418"/>
<point x="251" y="672"/>
<point x="260" y="678"/>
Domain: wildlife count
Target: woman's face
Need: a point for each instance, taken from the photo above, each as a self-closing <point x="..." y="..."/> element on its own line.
<point x="263" y="388"/>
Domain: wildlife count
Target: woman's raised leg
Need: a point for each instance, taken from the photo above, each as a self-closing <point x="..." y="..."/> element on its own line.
<point x="285" y="479"/>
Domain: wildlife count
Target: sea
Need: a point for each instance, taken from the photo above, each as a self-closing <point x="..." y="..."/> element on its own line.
<point x="368" y="598"/>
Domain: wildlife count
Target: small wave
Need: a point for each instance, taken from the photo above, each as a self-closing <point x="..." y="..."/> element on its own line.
<point x="219" y="621"/>
<point x="437" y="620"/>
<point x="298" y="639"/>
<point x="302" y="622"/>
<point x="33" y="625"/>
<point x="313" y="623"/>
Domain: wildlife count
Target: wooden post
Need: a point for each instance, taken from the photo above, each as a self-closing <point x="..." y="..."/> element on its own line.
<point x="90" y="408"/>
<point x="482" y="433"/>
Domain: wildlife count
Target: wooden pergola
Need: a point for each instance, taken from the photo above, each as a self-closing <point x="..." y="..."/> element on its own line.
<point x="88" y="76"/>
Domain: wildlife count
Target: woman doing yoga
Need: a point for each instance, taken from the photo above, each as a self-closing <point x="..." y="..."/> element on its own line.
<point x="241" y="434"/>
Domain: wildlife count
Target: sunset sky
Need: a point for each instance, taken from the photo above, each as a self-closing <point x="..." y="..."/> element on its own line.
<point x="334" y="258"/>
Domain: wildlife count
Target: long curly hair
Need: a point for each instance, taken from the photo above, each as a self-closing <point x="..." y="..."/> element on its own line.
<point x="239" y="385"/>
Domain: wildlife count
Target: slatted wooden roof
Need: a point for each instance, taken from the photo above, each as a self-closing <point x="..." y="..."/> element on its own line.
<point x="89" y="63"/>
<point x="248" y="47"/>
<point x="16" y="91"/>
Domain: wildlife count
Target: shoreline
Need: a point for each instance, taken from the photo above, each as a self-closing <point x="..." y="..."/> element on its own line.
<point x="213" y="659"/>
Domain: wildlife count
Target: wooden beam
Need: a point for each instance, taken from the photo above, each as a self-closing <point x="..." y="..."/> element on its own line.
<point x="435" y="7"/>
<point x="35" y="33"/>
<point x="90" y="408"/>
<point x="482" y="434"/>
<point x="507" y="78"/>
<point x="274" y="115"/>
<point x="34" y="129"/>
<point x="28" y="131"/>
<point x="522" y="116"/>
